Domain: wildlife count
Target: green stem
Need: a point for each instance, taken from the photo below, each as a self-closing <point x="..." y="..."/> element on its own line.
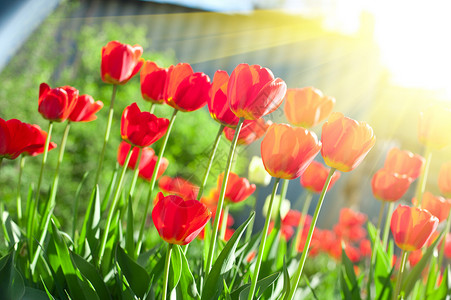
<point x="225" y="216"/>
<point x="166" y="271"/>
<point x="113" y="208"/>
<point x="423" y="177"/>
<point x="283" y="194"/>
<point x="400" y="273"/>
<point x="442" y="248"/>
<point x="379" y="220"/>
<point x="35" y="204"/>
<point x="152" y="182"/>
<point x="135" y="173"/>
<point x="107" y="134"/>
<point x="263" y="241"/>
<point x="1" y="160"/>
<point x="300" y="229"/>
<point x="19" y="185"/>
<point x="214" y="232"/>
<point x="298" y="273"/>
<point x="50" y="203"/>
<point x="210" y="161"/>
<point x="152" y="107"/>
<point x="391" y="206"/>
<point x="373" y="250"/>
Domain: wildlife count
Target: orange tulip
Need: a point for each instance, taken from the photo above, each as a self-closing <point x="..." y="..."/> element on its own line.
<point x="287" y="151"/>
<point x="388" y="186"/>
<point x="315" y="177"/>
<point x="435" y="126"/>
<point x="178" y="186"/>
<point x="218" y="101"/>
<point x="436" y="205"/>
<point x="307" y="107"/>
<point x="251" y="131"/>
<point x="346" y="142"/>
<point x="444" y="179"/>
<point x="404" y="163"/>
<point x="238" y="188"/>
<point x="412" y="227"/>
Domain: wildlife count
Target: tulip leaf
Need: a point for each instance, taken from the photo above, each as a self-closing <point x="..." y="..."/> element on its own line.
<point x="444" y="290"/>
<point x="10" y="229"/>
<point x="286" y="279"/>
<point x="415" y="273"/>
<point x="223" y="264"/>
<point x="136" y="276"/>
<point x="109" y="190"/>
<point x="90" y="230"/>
<point x="262" y="285"/>
<point x="186" y="289"/>
<point x="11" y="282"/>
<point x="176" y="267"/>
<point x="129" y="242"/>
<point x="349" y="283"/>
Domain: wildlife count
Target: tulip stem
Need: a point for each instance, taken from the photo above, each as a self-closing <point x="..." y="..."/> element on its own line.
<point x="107" y="134"/>
<point x="283" y="193"/>
<point x="300" y="229"/>
<point x="400" y="273"/>
<point x="391" y="206"/>
<point x="153" y="180"/>
<point x="225" y="216"/>
<point x="19" y="184"/>
<point x="421" y="186"/>
<point x="298" y="273"/>
<point x="442" y="248"/>
<point x="210" y="161"/>
<point x="135" y="172"/>
<point x="50" y="203"/>
<point x="214" y="232"/>
<point x="152" y="107"/>
<point x="166" y="272"/>
<point x="379" y="220"/>
<point x="1" y="160"/>
<point x="263" y="241"/>
<point x="113" y="207"/>
<point x="35" y="204"/>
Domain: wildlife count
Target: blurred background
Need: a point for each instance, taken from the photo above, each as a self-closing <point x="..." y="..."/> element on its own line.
<point x="383" y="61"/>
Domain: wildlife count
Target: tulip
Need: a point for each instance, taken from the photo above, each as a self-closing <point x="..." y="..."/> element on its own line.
<point x="238" y="188"/>
<point x="415" y="257"/>
<point x="17" y="137"/>
<point x="153" y="80"/>
<point x="253" y="91"/>
<point x="444" y="179"/>
<point x="388" y="186"/>
<point x="365" y="248"/>
<point x="124" y="148"/>
<point x="287" y="151"/>
<point x="436" y="205"/>
<point x="218" y="101"/>
<point x="404" y="163"/>
<point x="120" y="62"/>
<point x="434" y="126"/>
<point x="141" y="129"/>
<point x="412" y="227"/>
<point x="85" y="109"/>
<point x="257" y="173"/>
<point x="146" y="170"/>
<point x="58" y="103"/>
<point x="178" y="186"/>
<point x="186" y="90"/>
<point x="346" y="142"/>
<point x="251" y="131"/>
<point x="178" y="221"/>
<point x="314" y="177"/>
<point x="307" y="107"/>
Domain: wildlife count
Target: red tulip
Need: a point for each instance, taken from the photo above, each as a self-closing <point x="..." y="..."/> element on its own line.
<point x="307" y="107"/>
<point x="58" y="103"/>
<point x="153" y="80"/>
<point x="315" y="176"/>
<point x="346" y="142"/>
<point x="17" y="137"/>
<point x="238" y="189"/>
<point x="146" y="170"/>
<point x="251" y="131"/>
<point x="253" y="92"/>
<point x="388" y="186"/>
<point x="141" y="129"/>
<point x="365" y="248"/>
<point x="412" y="227"/>
<point x="120" y="62"/>
<point x="85" y="109"/>
<point x="179" y="186"/>
<point x="124" y="147"/>
<point x="448" y="246"/>
<point x="287" y="151"/>
<point x="178" y="221"/>
<point x="436" y="205"/>
<point x="186" y="90"/>
<point x="415" y="257"/>
<point x="444" y="179"/>
<point x="404" y="163"/>
<point x="218" y="102"/>
<point x="349" y="217"/>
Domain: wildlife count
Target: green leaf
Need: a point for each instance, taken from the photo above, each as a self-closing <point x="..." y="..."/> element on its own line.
<point x="186" y="288"/>
<point x="11" y="229"/>
<point x="90" y="230"/>
<point x="415" y="273"/>
<point x="176" y="268"/>
<point x="286" y="280"/>
<point x="91" y="274"/>
<point x="223" y="264"/>
<point x="136" y="276"/>
<point x="109" y="190"/>
<point x="129" y="242"/>
<point x="207" y="236"/>
<point x="349" y="281"/>
<point x="11" y="282"/>
<point x="444" y="289"/>
<point x="262" y="285"/>
<point x="50" y="297"/>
